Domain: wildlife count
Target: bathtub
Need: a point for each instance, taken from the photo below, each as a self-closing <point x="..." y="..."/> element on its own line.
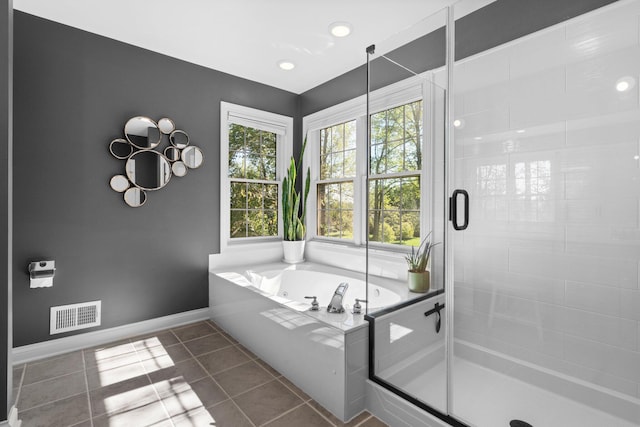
<point x="325" y="354"/>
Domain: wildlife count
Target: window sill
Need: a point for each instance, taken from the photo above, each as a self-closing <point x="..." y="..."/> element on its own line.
<point x="382" y="262"/>
<point x="241" y="253"/>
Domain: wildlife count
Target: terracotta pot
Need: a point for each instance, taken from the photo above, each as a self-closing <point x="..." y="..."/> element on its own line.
<point x="293" y="251"/>
<point x="419" y="281"/>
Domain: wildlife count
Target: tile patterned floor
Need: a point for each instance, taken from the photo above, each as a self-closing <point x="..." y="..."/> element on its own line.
<point x="192" y="376"/>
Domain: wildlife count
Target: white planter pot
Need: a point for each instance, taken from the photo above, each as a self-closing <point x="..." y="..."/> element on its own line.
<point x="293" y="251"/>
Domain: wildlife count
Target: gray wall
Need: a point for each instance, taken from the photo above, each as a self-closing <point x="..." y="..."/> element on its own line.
<point x="6" y="40"/>
<point x="74" y="91"/>
<point x="491" y="26"/>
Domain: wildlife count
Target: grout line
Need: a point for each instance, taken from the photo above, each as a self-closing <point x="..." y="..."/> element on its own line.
<point x="219" y="386"/>
<point x="197" y="338"/>
<point x="17" y="396"/>
<point x="364" y="421"/>
<point x="155" y="390"/>
<point x="292" y="390"/>
<point x="319" y="413"/>
<point x="54" y="401"/>
<point x="284" y="413"/>
<point x="86" y="384"/>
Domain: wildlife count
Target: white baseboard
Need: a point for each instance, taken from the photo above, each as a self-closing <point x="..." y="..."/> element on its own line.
<point x="44" y="349"/>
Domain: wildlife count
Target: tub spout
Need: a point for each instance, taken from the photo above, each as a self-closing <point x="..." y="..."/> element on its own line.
<point x="335" y="306"/>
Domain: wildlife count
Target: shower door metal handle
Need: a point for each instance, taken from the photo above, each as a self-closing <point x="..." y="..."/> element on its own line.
<point x="453" y="209"/>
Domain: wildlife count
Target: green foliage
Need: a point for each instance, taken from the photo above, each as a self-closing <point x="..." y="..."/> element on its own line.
<point x="294" y="204"/>
<point x="418" y="260"/>
<point x="388" y="234"/>
<point x="407" y="230"/>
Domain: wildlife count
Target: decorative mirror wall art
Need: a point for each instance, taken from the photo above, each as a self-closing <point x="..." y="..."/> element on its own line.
<point x="147" y="167"/>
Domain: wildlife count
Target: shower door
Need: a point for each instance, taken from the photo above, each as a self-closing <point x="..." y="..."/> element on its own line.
<point x="406" y="189"/>
<point x="546" y="292"/>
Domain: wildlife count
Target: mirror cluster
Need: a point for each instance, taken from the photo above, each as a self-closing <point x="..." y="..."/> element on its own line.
<point x="147" y="169"/>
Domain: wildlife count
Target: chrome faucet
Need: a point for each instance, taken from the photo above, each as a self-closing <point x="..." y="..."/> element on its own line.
<point x="335" y="306"/>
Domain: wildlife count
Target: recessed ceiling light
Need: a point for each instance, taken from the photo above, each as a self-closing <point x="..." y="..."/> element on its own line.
<point x="520" y="131"/>
<point x="478" y="138"/>
<point x="636" y="157"/>
<point x="625" y="83"/>
<point x="340" y="29"/>
<point x="458" y="123"/>
<point x="286" y="65"/>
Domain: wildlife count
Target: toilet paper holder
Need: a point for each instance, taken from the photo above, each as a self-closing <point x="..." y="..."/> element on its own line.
<point x="41" y="273"/>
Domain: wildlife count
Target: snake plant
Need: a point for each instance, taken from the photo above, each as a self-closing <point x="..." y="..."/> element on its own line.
<point x="418" y="260"/>
<point x="294" y="204"/>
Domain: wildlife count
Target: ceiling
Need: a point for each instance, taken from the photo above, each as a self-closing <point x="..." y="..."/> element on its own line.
<point x="247" y="38"/>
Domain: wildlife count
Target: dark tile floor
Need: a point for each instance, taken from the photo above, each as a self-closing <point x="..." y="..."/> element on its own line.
<point x="194" y="375"/>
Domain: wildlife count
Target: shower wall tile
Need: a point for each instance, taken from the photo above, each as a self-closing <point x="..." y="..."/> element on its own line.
<point x="604" y="329"/>
<point x="486" y="98"/>
<point x="480" y="123"/>
<point x="598" y="75"/>
<point x="549" y="268"/>
<point x="605" y="358"/>
<point x="603" y="101"/>
<point x="542" y="138"/>
<point x="484" y="71"/>
<point x="621" y="242"/>
<point x="604" y="33"/>
<point x="528" y="287"/>
<point x="594" y="298"/>
<point x="604" y="131"/>
<point x="591" y="269"/>
<point x="538" y="53"/>
<point x="630" y="304"/>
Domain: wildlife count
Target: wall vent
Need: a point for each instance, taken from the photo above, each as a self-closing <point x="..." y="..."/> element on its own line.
<point x="70" y="317"/>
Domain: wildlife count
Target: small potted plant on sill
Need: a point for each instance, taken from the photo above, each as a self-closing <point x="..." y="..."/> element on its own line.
<point x="294" y="206"/>
<point x="418" y="276"/>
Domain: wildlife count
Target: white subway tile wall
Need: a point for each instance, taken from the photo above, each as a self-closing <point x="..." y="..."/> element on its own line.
<point x="549" y="151"/>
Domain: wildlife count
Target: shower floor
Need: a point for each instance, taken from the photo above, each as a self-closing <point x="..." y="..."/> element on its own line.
<point x="486" y="398"/>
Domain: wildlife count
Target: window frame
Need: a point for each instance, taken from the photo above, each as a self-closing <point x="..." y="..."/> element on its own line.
<point x="262" y="120"/>
<point x="401" y="93"/>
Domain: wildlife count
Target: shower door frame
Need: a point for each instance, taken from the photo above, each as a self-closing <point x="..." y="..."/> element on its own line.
<point x="449" y="182"/>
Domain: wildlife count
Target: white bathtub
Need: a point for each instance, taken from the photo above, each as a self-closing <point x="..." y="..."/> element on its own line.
<point x="295" y="282"/>
<point x="325" y="354"/>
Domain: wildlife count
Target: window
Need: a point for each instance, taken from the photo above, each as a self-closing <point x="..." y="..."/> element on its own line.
<point x="338" y="147"/>
<point x="253" y="144"/>
<point x="336" y="183"/>
<point x="252" y="176"/>
<point x="395" y="169"/>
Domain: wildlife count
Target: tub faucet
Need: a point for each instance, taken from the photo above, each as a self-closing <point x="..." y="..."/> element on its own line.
<point x="335" y="306"/>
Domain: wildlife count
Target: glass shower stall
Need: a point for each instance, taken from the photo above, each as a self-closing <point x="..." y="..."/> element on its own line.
<point x="527" y="175"/>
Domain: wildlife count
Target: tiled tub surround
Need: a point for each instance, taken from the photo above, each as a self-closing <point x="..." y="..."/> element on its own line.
<point x="195" y="375"/>
<point x="323" y="353"/>
<point x="547" y="274"/>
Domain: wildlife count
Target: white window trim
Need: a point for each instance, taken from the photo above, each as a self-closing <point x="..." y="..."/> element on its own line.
<point x="329" y="250"/>
<point x="264" y="120"/>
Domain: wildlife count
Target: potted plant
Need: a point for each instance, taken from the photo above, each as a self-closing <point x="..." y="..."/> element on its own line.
<point x="294" y="206"/>
<point x="418" y="276"/>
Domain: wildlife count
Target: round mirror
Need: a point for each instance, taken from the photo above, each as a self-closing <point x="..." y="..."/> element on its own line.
<point x="179" y="139"/>
<point x="120" y="148"/>
<point x="166" y="125"/>
<point x="142" y="132"/>
<point x="119" y="183"/>
<point x="179" y="169"/>
<point x="192" y="157"/>
<point x="135" y="197"/>
<point x="172" y="153"/>
<point x="148" y="169"/>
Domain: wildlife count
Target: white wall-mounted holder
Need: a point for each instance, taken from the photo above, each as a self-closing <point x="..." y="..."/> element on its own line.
<point x="41" y="274"/>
